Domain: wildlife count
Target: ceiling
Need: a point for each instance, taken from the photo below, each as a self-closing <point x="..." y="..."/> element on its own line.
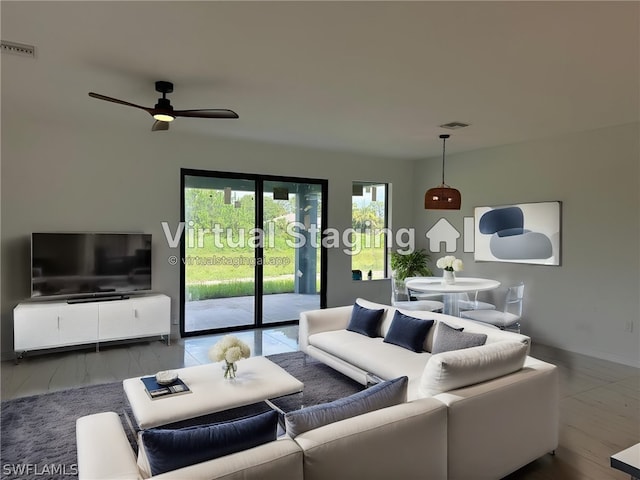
<point x="370" y="77"/>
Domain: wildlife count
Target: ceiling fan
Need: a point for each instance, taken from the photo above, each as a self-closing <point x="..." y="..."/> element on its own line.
<point x="164" y="113"/>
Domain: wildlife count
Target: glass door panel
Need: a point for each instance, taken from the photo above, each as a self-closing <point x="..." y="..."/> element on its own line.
<point x="291" y="264"/>
<point x="219" y="261"/>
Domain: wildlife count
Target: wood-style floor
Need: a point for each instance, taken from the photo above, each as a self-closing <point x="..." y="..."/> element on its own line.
<point x="599" y="400"/>
<point x="599" y="416"/>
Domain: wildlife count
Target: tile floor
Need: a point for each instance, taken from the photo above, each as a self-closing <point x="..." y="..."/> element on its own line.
<point x="40" y="373"/>
<point x="599" y="400"/>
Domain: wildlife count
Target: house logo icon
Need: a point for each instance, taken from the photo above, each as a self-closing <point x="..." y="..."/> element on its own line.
<point x="443" y="231"/>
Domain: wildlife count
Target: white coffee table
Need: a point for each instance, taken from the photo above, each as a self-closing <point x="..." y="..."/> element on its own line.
<point x="258" y="379"/>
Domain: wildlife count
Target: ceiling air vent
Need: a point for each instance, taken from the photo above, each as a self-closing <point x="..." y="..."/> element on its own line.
<point x="454" y="125"/>
<point x="18" y="49"/>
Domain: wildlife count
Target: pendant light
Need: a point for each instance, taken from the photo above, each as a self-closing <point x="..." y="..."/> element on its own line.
<point x="442" y="197"/>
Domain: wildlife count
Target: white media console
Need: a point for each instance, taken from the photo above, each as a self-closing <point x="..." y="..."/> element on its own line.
<point x="40" y="325"/>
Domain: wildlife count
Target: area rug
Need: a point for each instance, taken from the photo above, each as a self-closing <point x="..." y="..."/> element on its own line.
<point x="38" y="433"/>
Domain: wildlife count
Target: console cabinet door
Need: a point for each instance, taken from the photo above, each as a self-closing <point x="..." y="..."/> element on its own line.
<point x="151" y="316"/>
<point x="78" y="324"/>
<point x="115" y="320"/>
<point x="135" y="317"/>
<point x="35" y="326"/>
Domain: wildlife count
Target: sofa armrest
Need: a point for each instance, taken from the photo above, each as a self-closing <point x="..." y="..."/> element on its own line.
<point x="502" y="424"/>
<point x="402" y="441"/>
<point x="325" y="320"/>
<point x="104" y="451"/>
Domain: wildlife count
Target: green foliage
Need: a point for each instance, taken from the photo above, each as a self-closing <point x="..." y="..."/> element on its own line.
<point x="368" y="258"/>
<point x="412" y="264"/>
<point x="370" y="216"/>
<point x="206" y="207"/>
<point x="222" y="265"/>
<point x="237" y="288"/>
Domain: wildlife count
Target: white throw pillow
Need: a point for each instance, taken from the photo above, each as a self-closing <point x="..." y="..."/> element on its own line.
<point x="460" y="368"/>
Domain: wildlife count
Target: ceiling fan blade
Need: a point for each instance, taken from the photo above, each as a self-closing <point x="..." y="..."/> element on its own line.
<point x="159" y="125"/>
<point x="121" y="102"/>
<point x="206" y="113"/>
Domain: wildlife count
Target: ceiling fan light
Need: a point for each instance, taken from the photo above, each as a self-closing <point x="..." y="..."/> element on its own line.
<point x="163" y="117"/>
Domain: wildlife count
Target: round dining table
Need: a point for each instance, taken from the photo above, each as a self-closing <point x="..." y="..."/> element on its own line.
<point x="450" y="292"/>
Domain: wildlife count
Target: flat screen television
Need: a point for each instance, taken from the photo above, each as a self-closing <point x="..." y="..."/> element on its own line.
<point x="89" y="264"/>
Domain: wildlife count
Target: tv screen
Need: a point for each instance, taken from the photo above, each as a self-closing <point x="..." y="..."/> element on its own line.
<point x="72" y="264"/>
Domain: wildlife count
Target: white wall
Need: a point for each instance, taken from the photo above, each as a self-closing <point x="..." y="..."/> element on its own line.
<point x="97" y="177"/>
<point x="584" y="304"/>
<point x="100" y="178"/>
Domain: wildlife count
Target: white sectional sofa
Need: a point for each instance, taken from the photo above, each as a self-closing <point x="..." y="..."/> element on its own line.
<point x="501" y="415"/>
<point x="472" y="413"/>
<point x="357" y="447"/>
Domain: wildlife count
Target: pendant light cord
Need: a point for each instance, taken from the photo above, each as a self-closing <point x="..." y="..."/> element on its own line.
<point x="444" y="141"/>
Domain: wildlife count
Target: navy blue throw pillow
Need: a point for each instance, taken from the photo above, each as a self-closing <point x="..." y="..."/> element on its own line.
<point x="380" y="395"/>
<point x="172" y="449"/>
<point x="408" y="332"/>
<point x="365" y="321"/>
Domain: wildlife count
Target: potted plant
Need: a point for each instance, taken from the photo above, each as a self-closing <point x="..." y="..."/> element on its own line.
<point x="412" y="264"/>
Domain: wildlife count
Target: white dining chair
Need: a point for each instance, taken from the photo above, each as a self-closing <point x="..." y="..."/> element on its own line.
<point x="508" y="318"/>
<point x="466" y="303"/>
<point x="400" y="298"/>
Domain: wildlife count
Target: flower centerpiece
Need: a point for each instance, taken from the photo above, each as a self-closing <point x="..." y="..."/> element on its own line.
<point x="449" y="265"/>
<point x="229" y="349"/>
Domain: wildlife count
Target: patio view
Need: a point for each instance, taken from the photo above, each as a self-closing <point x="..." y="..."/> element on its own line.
<point x="368" y="216"/>
<point x="250" y="262"/>
<point x="236" y="275"/>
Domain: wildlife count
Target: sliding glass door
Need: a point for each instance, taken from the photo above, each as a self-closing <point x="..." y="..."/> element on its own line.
<point x="251" y="250"/>
<point x="292" y="259"/>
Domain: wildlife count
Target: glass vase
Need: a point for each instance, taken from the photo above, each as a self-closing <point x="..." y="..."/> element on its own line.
<point x="230" y="369"/>
<point x="448" y="277"/>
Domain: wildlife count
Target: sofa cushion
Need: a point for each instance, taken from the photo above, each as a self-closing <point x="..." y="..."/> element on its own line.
<point x="459" y="368"/>
<point x="449" y="338"/>
<point x="381" y="395"/>
<point x="364" y="320"/>
<point x="408" y="332"/>
<point x="341" y="343"/>
<point x="168" y="450"/>
<point x="372" y="355"/>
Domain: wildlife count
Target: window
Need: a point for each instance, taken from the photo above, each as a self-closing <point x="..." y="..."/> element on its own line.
<point x="369" y="222"/>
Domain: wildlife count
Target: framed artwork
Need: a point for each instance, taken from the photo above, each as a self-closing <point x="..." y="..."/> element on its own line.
<point x="519" y="233"/>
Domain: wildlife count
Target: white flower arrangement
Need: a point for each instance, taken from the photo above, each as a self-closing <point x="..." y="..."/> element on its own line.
<point x="230" y="349"/>
<point x="450" y="263"/>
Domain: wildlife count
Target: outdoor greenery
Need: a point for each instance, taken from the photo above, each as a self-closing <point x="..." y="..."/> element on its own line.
<point x="236" y="289"/>
<point x="227" y="269"/>
<point x="368" y="258"/>
<point x="368" y="218"/>
<point x="224" y="266"/>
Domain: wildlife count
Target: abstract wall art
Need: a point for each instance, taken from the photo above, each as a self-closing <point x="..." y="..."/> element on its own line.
<point x="519" y="233"/>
